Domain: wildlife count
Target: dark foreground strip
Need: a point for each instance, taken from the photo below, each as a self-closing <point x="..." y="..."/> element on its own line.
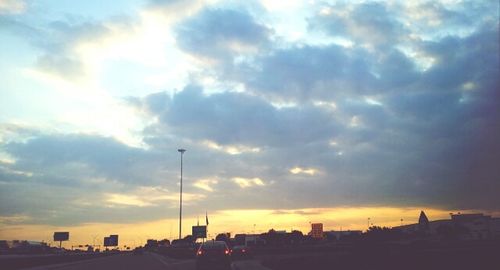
<point x="13" y="263"/>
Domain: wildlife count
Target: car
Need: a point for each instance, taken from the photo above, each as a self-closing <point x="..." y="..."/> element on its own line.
<point x="241" y="252"/>
<point x="182" y="249"/>
<point x="213" y="255"/>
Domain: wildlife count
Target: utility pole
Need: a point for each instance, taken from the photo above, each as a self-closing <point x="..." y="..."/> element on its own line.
<point x="180" y="197"/>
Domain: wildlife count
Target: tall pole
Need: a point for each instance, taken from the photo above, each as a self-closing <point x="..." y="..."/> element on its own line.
<point x="180" y="197"/>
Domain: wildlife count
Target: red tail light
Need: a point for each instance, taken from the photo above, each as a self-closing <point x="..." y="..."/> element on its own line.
<point x="226" y="251"/>
<point x="199" y="253"/>
<point x="243" y="250"/>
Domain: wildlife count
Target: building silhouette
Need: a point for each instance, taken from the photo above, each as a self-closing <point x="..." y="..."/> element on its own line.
<point x="473" y="226"/>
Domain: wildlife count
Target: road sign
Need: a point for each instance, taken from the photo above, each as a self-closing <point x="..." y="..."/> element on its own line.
<point x="111" y="241"/>
<point x="61" y="236"/>
<point x="199" y="231"/>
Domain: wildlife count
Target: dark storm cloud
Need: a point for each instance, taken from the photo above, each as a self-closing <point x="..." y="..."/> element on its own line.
<point x="221" y="33"/>
<point x="66" y="179"/>
<point x="474" y="58"/>
<point x="448" y="128"/>
<point x="453" y="127"/>
<point x="238" y="118"/>
<point x="64" y="206"/>
<point x="305" y="73"/>
<point x="391" y="132"/>
<point x="104" y="156"/>
<point x="308" y="72"/>
<point x="414" y="146"/>
<point x="383" y="25"/>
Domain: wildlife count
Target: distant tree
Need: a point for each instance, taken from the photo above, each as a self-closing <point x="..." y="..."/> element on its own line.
<point x="271" y="237"/>
<point x="296" y="237"/>
<point x="222" y="237"/>
<point x="151" y="244"/>
<point x="350" y="237"/>
<point x="164" y="242"/>
<point x="189" y="239"/>
<point x="379" y="234"/>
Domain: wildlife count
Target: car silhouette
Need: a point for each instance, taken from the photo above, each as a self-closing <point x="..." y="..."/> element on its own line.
<point x="213" y="255"/>
<point x="241" y="252"/>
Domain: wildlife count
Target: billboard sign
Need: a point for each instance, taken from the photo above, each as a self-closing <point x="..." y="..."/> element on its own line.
<point x="106" y="241"/>
<point x="61" y="236"/>
<point x="199" y="232"/>
<point x="114" y="239"/>
<point x="111" y="241"/>
<point x="317" y="230"/>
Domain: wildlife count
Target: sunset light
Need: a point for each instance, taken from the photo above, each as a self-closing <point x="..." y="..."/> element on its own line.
<point x="306" y="133"/>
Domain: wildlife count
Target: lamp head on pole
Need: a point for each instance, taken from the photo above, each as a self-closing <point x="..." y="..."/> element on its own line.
<point x="181" y="150"/>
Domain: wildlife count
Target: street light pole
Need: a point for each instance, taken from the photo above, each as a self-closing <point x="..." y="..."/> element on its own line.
<point x="180" y="197"/>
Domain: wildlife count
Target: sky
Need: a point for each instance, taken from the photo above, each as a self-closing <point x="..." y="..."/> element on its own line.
<point x="291" y="112"/>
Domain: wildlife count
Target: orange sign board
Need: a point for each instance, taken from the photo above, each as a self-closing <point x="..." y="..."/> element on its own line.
<point x="317" y="230"/>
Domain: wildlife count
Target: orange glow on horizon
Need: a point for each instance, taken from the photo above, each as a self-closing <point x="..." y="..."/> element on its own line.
<point x="233" y="221"/>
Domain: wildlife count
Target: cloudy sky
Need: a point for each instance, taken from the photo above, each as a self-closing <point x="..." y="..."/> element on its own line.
<point x="290" y="111"/>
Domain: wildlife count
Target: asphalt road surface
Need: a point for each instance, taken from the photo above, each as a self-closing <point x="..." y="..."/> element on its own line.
<point x="149" y="261"/>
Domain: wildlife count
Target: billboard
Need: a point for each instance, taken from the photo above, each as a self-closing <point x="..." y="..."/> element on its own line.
<point x="111" y="241"/>
<point x="199" y="231"/>
<point x="317" y="230"/>
<point x="106" y="241"/>
<point x="61" y="236"/>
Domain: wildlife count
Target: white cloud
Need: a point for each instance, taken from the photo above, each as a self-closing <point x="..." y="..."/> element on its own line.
<point x="149" y="196"/>
<point x="468" y="86"/>
<point x="175" y="11"/>
<point x="87" y="108"/>
<point x="373" y="101"/>
<point x="12" y="6"/>
<point x="329" y="105"/>
<point x="4" y="220"/>
<point x="127" y="200"/>
<point x="6" y="158"/>
<point x="278" y="5"/>
<point x="355" y="121"/>
<point x="13" y="171"/>
<point x="231" y="149"/>
<point x="333" y="143"/>
<point x="206" y="184"/>
<point x="248" y="182"/>
<point x="299" y="170"/>
<point x="149" y="44"/>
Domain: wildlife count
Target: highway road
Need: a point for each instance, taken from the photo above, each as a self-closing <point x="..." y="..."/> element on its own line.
<point x="150" y="261"/>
